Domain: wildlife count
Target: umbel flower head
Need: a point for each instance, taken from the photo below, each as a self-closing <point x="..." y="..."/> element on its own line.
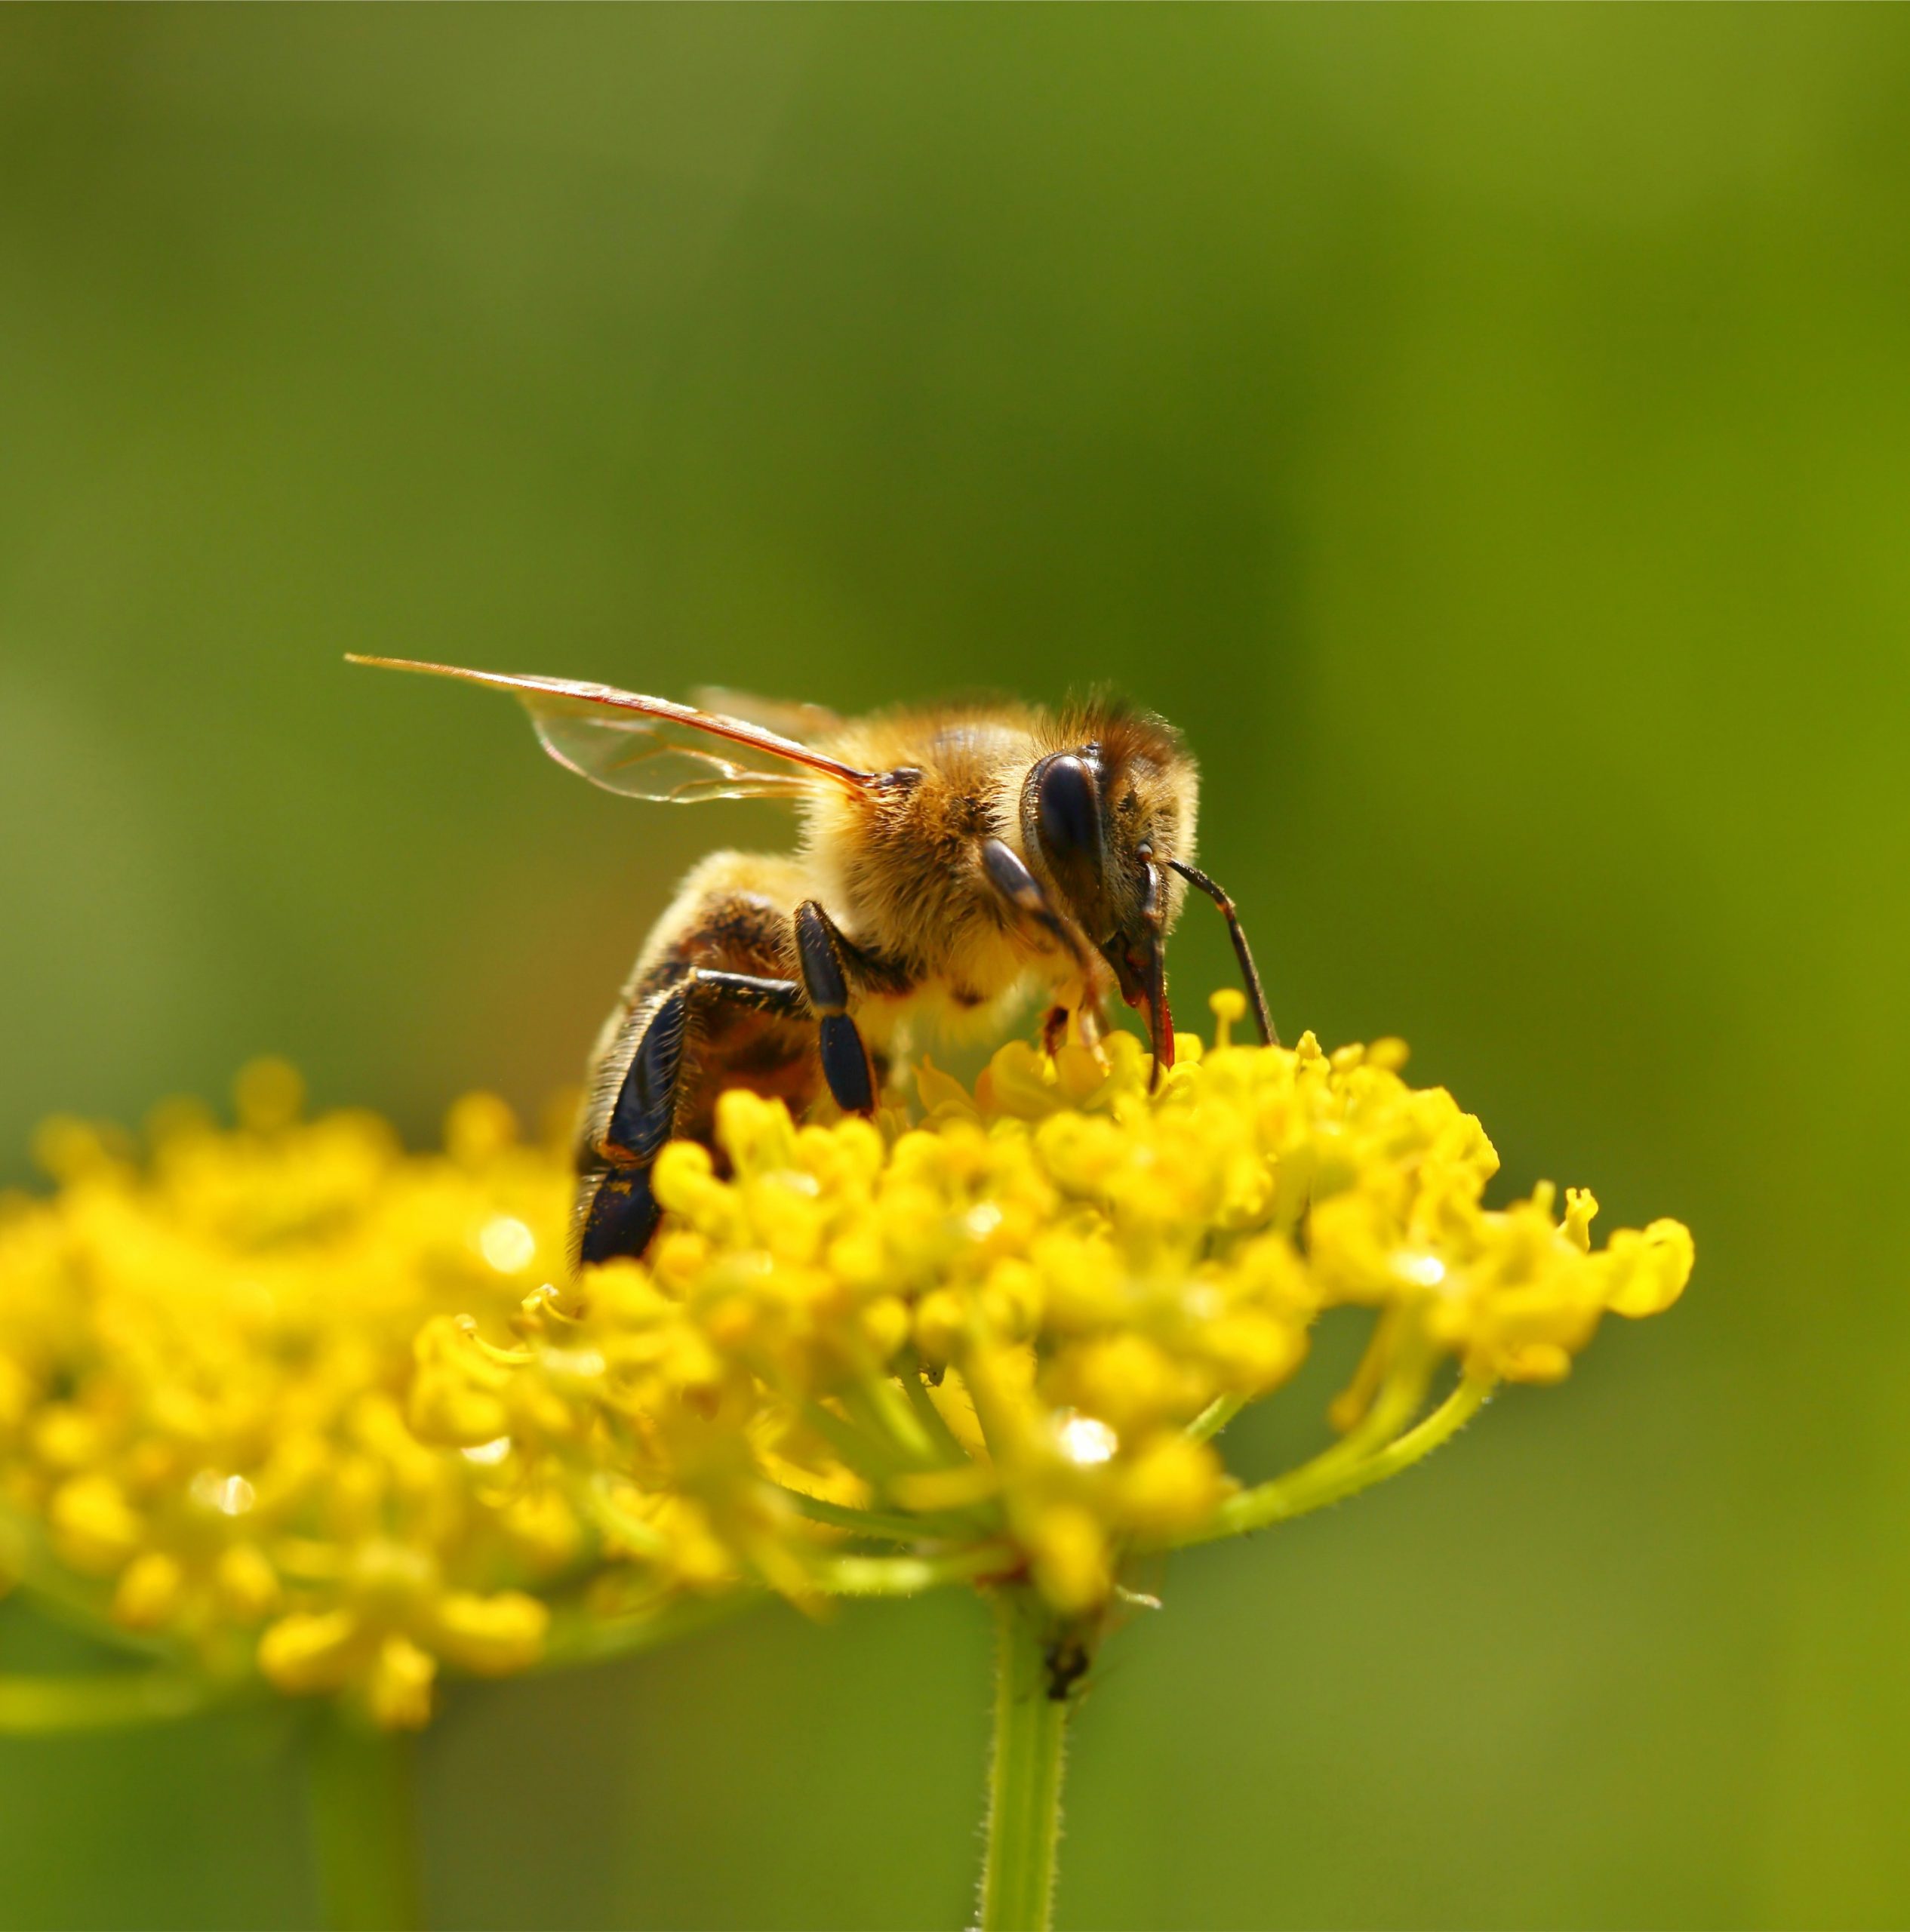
<point x="287" y="1405"/>
<point x="1000" y="1343"/>
<point x="206" y="1346"/>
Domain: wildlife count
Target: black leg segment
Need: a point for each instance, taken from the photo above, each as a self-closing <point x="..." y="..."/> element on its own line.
<point x="819" y="954"/>
<point x="646" y="1105"/>
<point x="819" y="958"/>
<point x="622" y="1217"/>
<point x="1029" y="901"/>
<point x="620" y="1214"/>
<point x="845" y="1064"/>
<point x="645" y="1110"/>
<point x="1022" y="890"/>
<point x="783" y="998"/>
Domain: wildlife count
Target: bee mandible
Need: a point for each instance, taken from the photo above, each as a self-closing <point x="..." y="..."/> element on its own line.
<point x="952" y="858"/>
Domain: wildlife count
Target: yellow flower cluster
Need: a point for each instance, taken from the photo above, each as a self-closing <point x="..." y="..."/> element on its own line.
<point x="205" y="1348"/>
<point x="285" y="1399"/>
<point x="1002" y="1341"/>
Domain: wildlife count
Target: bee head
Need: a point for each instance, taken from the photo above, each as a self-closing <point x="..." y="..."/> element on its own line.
<point x="1102" y="819"/>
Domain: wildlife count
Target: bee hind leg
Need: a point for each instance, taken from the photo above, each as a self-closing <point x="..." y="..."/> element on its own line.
<point x="622" y="1215"/>
<point x="618" y="1211"/>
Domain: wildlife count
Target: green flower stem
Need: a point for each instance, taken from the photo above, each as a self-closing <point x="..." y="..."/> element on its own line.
<point x="1331" y="1477"/>
<point x="894" y="1525"/>
<point x="32" y="1707"/>
<point x="1215" y="1417"/>
<point x="908" y="1372"/>
<point x="1024" y="1783"/>
<point x="364" y="1823"/>
<point x="909" y="1576"/>
<point x="870" y="1455"/>
<point x="877" y="1405"/>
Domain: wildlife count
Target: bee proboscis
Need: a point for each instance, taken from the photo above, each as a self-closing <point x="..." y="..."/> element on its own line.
<point x="952" y="857"/>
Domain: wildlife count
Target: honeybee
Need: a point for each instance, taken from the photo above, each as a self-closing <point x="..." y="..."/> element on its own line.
<point x="952" y="858"/>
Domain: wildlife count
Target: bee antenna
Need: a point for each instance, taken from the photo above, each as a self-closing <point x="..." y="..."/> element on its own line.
<point x="1242" y="951"/>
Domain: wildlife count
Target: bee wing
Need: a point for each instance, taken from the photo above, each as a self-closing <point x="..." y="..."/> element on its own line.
<point x="787" y="717"/>
<point x="649" y="747"/>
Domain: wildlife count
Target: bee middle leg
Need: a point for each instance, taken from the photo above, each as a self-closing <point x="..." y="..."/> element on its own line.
<point x="821" y="957"/>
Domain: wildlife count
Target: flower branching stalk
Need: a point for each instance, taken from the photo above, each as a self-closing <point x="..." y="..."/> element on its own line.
<point x="284" y="1408"/>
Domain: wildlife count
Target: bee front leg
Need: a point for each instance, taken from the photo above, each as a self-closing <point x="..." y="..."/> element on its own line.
<point x="618" y="1212"/>
<point x="1003" y="868"/>
<point x="821" y="958"/>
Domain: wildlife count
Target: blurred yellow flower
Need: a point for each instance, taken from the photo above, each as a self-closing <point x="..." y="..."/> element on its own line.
<point x="205" y="1352"/>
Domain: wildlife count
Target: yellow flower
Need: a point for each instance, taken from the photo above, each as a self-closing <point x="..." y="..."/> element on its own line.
<point x="1000" y="1343"/>
<point x="207" y="1350"/>
<point x="285" y="1399"/>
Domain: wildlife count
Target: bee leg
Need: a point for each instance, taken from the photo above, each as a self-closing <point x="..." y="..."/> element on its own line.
<point x="623" y="1212"/>
<point x="1003" y="868"/>
<point x="820" y="958"/>
<point x="1054" y="1029"/>
<point x="622" y="1217"/>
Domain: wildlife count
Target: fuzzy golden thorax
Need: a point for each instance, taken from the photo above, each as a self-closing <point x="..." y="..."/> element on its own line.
<point x="900" y="867"/>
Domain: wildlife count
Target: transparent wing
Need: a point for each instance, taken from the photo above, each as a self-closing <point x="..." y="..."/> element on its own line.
<point x="787" y="716"/>
<point x="652" y="758"/>
<point x="651" y="748"/>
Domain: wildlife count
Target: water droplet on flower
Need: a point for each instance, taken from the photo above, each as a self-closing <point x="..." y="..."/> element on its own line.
<point x="507" y="1244"/>
<point x="1423" y="1271"/>
<point x="1086" y="1439"/>
<point x="983" y="1221"/>
<point x="487" y="1453"/>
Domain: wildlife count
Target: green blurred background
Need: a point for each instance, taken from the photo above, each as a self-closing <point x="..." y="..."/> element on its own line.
<point x="1487" y="432"/>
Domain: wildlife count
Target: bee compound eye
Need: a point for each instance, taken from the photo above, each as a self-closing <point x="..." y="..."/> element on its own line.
<point x="1068" y="806"/>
